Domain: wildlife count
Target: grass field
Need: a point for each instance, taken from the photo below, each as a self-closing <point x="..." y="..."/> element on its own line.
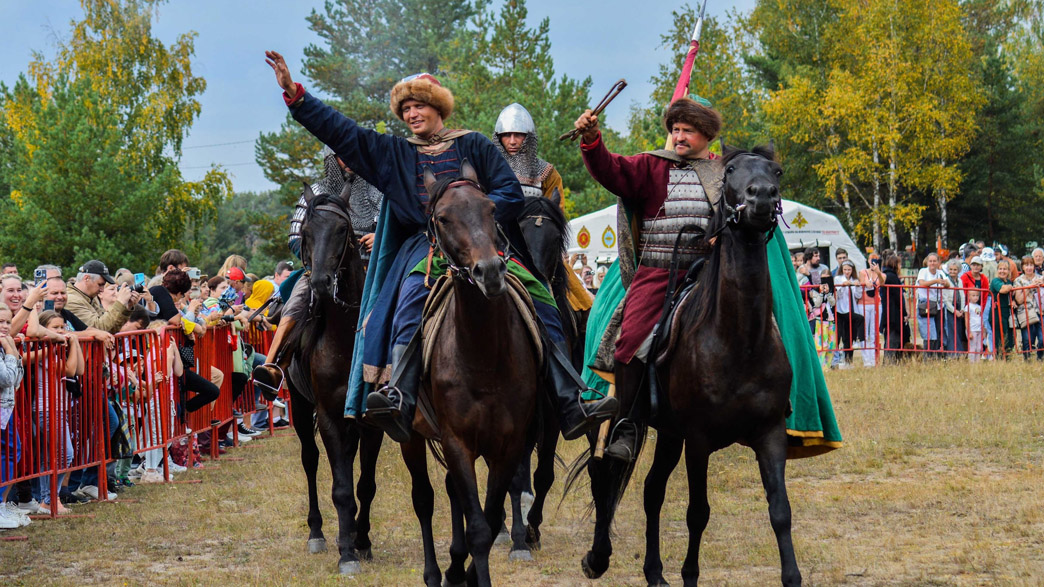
<point x="940" y="483"/>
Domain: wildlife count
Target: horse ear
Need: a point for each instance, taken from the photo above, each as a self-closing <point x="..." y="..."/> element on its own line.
<point x="346" y="192"/>
<point x="467" y="171"/>
<point x="308" y="194"/>
<point x="429" y="180"/>
<point x="556" y="197"/>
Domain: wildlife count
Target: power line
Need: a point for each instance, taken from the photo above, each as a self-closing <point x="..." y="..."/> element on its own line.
<point x="217" y="145"/>
<point x="221" y="164"/>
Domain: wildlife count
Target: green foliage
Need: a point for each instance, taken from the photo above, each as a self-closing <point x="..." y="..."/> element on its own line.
<point x="237" y="229"/>
<point x="91" y="143"/>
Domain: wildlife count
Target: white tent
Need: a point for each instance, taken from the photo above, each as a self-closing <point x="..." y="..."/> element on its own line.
<point x="595" y="234"/>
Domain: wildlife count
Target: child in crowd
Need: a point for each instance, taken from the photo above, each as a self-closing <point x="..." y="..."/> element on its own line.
<point x="973" y="325"/>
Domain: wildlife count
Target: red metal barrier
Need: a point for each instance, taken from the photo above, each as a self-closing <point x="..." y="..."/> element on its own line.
<point x="55" y="429"/>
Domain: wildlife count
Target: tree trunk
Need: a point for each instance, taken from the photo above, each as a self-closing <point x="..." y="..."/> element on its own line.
<point x="893" y="236"/>
<point x="877" y="200"/>
<point x="943" y="199"/>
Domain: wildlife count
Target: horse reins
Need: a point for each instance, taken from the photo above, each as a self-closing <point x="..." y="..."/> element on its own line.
<point x="435" y="241"/>
<point x="349" y="245"/>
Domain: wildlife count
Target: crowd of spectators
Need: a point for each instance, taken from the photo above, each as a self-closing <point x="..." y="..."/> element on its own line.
<point x="980" y="302"/>
<point x="45" y="323"/>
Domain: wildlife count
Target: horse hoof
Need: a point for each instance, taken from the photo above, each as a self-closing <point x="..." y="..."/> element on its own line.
<point x="316" y="545"/>
<point x="520" y="555"/>
<point x="589" y="571"/>
<point x="349" y="568"/>
<point x="502" y="538"/>
<point x="532" y="538"/>
<point x="365" y="554"/>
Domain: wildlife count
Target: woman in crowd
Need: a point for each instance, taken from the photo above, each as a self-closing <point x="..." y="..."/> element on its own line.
<point x="871" y="278"/>
<point x="1028" y="295"/>
<point x="848" y="291"/>
<point x="930" y="281"/>
<point x="1003" y="333"/>
<point x="893" y="308"/>
<point x="51" y="386"/>
<point x="954" y="335"/>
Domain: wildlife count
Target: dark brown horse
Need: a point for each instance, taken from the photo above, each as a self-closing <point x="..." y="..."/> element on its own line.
<point x="727" y="380"/>
<point x="483" y="382"/>
<point x="320" y="348"/>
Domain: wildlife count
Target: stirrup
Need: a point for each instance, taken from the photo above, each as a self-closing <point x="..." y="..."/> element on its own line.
<point x="630" y="426"/>
<point x="267" y="391"/>
<point x="383" y="411"/>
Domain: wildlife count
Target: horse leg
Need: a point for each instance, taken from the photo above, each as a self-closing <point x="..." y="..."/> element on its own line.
<point x="303" y="413"/>
<point x="341" y="442"/>
<point x="771" y="451"/>
<point x="516" y="485"/>
<point x="479" y="535"/>
<point x="456" y="573"/>
<point x="370" y="449"/>
<point x="596" y="562"/>
<point x="696" y="456"/>
<point x="668" y="453"/>
<point x="414" y="454"/>
<point x="543" y="478"/>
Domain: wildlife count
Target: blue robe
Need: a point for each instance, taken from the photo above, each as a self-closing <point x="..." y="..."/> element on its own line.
<point x="394" y="166"/>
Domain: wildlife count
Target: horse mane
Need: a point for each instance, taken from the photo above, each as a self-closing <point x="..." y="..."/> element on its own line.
<point x="705" y="297"/>
<point x="324" y="199"/>
<point x="439" y="188"/>
<point x="541" y="206"/>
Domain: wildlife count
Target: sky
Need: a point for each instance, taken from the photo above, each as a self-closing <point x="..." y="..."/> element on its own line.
<point x="604" y="39"/>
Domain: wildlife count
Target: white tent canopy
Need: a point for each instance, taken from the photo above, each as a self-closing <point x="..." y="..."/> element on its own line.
<point x="595" y="235"/>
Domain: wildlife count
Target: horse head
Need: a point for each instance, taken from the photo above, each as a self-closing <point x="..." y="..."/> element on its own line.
<point x="462" y="225"/>
<point x="546" y="231"/>
<point x="328" y="242"/>
<point x="751" y="188"/>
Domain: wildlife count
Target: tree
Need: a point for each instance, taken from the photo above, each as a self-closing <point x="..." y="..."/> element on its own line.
<point x="94" y="141"/>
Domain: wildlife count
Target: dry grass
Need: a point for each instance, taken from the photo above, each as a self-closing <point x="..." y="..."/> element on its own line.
<point x="940" y="483"/>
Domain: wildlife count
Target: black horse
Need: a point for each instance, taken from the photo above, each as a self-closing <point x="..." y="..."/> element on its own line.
<point x="726" y="381"/>
<point x="318" y="382"/>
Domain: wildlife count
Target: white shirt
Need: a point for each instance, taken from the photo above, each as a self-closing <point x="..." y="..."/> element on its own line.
<point x="925" y="274"/>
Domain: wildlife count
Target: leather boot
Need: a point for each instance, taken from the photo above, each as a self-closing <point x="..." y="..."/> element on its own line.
<point x="268" y="379"/>
<point x="391" y="407"/>
<point x="575" y="416"/>
<point x="624" y="441"/>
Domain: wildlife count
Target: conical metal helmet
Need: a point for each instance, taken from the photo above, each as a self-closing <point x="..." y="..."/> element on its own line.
<point x="514" y="118"/>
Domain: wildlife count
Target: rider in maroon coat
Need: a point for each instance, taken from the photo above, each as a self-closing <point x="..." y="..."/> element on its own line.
<point x="664" y="191"/>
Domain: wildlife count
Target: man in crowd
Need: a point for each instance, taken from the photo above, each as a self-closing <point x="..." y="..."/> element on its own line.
<point x="282" y="271"/>
<point x="812" y="269"/>
<point x="974" y="279"/>
<point x="172" y="259"/>
<point x="393" y="165"/>
<point x="840" y="256"/>
<point x="84" y="304"/>
<point x="8" y="268"/>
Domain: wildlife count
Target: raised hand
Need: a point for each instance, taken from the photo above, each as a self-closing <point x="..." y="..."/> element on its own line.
<point x="588" y="125"/>
<point x="282" y="72"/>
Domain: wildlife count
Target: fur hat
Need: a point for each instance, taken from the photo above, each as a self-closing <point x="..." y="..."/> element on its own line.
<point x="422" y="87"/>
<point x="704" y="118"/>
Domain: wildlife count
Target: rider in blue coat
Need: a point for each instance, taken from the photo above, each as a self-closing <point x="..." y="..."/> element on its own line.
<point x="393" y="297"/>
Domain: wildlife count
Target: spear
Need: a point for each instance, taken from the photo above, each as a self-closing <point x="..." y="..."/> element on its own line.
<point x="682" y="89"/>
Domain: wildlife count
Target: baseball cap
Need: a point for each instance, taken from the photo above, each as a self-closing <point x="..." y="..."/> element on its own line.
<point x="96" y="267"/>
<point x="975" y="260"/>
<point x="235" y="274"/>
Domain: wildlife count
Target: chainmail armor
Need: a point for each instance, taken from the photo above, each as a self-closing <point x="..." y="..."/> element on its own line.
<point x="530" y="169"/>
<point x="331" y="183"/>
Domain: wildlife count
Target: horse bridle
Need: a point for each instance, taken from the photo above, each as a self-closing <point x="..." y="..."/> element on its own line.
<point x="349" y="245"/>
<point x="455" y="269"/>
<point x="733" y="212"/>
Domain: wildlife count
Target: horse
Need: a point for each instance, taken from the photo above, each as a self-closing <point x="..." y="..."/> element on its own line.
<point x="482" y="381"/>
<point x="546" y="232"/>
<point x="727" y="379"/>
<point x="319" y="349"/>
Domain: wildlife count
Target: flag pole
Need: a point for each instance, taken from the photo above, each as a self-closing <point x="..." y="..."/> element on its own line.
<point x="681" y="89"/>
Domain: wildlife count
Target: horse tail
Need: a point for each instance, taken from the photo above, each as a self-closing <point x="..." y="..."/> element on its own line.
<point x="614" y="475"/>
<point x="437" y="454"/>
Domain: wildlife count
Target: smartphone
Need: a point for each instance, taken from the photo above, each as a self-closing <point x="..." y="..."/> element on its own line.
<point x="139" y="279"/>
<point x="48" y="305"/>
<point x="40" y="276"/>
<point x="875" y="261"/>
<point x="193" y="273"/>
